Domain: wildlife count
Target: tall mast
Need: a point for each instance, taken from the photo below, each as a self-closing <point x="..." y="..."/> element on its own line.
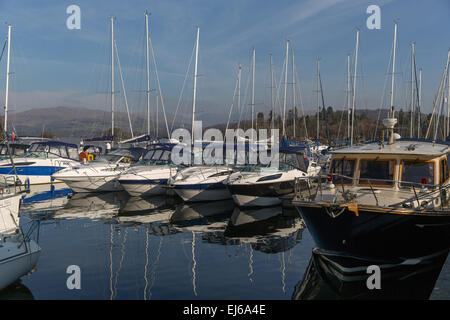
<point x="112" y="79"/>
<point x="195" y="84"/>
<point x="148" y="73"/>
<point x="7" y="80"/>
<point x="253" y="90"/>
<point x="411" y="131"/>
<point x="318" y="101"/>
<point x="419" y="103"/>
<point x="239" y="94"/>
<point x="448" y="102"/>
<point x="354" y="86"/>
<point x="293" y="94"/>
<point x="285" y="87"/>
<point x="271" y="94"/>
<point x="157" y="116"/>
<point x="348" y="96"/>
<point x="393" y="70"/>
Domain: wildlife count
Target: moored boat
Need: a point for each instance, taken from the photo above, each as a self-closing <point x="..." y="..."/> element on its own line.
<point x="42" y="159"/>
<point x="259" y="185"/>
<point x="383" y="201"/>
<point x="150" y="175"/>
<point x="100" y="174"/>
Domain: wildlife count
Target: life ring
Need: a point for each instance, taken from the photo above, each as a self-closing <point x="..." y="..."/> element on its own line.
<point x="90" y="157"/>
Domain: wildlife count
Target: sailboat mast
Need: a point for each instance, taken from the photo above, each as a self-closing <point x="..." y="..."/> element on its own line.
<point x="294" y="111"/>
<point x="148" y="73"/>
<point x="195" y="84"/>
<point x="411" y="133"/>
<point x="393" y="70"/>
<point x="271" y="93"/>
<point x="7" y="80"/>
<point x="318" y="101"/>
<point x="253" y="91"/>
<point x="112" y="79"/>
<point x="348" y="96"/>
<point x="448" y="102"/>
<point x="157" y="116"/>
<point x="239" y="92"/>
<point x="419" y="104"/>
<point x="354" y="86"/>
<point x="285" y="87"/>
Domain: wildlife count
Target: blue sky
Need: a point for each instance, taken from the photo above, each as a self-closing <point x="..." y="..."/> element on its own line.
<point x="54" y="66"/>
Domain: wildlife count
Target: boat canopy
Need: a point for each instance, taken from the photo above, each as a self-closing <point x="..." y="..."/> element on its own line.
<point x="62" y="149"/>
<point x="134" y="153"/>
<point x="17" y="149"/>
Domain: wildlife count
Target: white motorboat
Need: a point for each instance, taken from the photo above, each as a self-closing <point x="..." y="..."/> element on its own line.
<point x="201" y="183"/>
<point x="100" y="174"/>
<point x="150" y="175"/>
<point x="259" y="185"/>
<point x="18" y="253"/>
<point x="42" y="159"/>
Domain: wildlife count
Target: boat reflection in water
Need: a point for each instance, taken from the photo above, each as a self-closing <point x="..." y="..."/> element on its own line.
<point x="330" y="276"/>
<point x="16" y="291"/>
<point x="201" y="210"/>
<point x="92" y="205"/>
<point x="45" y="198"/>
<point x="270" y="230"/>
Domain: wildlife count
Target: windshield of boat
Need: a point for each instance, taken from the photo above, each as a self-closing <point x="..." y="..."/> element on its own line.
<point x="156" y="157"/>
<point x="42" y="150"/>
<point x="376" y="172"/>
<point x="416" y="173"/>
<point x="16" y="150"/>
<point x="290" y="161"/>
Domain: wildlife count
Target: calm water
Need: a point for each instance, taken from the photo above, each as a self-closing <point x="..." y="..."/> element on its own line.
<point x="160" y="248"/>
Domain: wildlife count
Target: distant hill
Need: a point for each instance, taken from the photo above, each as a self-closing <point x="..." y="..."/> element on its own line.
<point x="73" y="122"/>
<point x="79" y="122"/>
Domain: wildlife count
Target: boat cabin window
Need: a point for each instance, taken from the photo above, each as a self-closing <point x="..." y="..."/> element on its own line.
<point x="414" y="173"/>
<point x="58" y="151"/>
<point x="290" y="161"/>
<point x="376" y="172"/>
<point x="165" y="156"/>
<point x="341" y="169"/>
<point x="156" y="157"/>
<point x="443" y="171"/>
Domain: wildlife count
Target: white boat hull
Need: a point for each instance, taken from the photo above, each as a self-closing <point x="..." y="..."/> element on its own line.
<point x="11" y="269"/>
<point x="93" y="184"/>
<point x="34" y="170"/>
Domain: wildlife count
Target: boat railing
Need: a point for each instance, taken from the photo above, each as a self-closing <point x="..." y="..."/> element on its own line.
<point x="7" y="183"/>
<point x="306" y="189"/>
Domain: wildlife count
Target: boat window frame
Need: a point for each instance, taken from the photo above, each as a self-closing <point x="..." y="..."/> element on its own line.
<point x="400" y="173"/>
<point x="446" y="168"/>
<point x="355" y="159"/>
<point x="394" y="181"/>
